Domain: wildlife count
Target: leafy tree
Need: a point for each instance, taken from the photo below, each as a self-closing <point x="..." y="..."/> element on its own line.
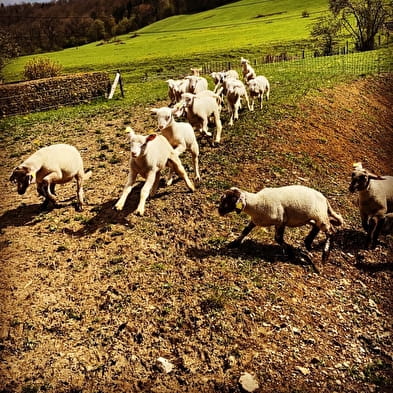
<point x="362" y="19"/>
<point x="326" y="31"/>
<point x="8" y="47"/>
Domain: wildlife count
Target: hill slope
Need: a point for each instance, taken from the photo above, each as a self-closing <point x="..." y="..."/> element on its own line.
<point x="91" y="300"/>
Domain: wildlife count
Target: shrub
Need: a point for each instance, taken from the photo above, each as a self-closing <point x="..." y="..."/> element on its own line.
<point x="305" y="14"/>
<point x="41" y="67"/>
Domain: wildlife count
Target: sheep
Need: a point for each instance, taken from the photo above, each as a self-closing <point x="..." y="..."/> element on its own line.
<point x="180" y="135"/>
<point x="247" y="70"/>
<point x="258" y="87"/>
<point x="375" y="200"/>
<point x="176" y="88"/>
<point x="196" y="84"/>
<point x="196" y="71"/>
<point x="149" y="155"/>
<point x="235" y="91"/>
<point x="218" y="77"/>
<point x="292" y="206"/>
<point x="48" y="166"/>
<point x="198" y="109"/>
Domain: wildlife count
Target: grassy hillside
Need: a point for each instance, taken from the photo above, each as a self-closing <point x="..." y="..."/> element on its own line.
<point x="248" y="25"/>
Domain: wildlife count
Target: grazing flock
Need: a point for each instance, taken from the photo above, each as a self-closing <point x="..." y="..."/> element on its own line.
<point x="190" y="98"/>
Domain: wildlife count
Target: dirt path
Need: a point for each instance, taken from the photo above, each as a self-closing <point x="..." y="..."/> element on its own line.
<point x="91" y="300"/>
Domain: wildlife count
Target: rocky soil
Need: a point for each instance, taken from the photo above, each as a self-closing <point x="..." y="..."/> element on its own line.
<point x="105" y="301"/>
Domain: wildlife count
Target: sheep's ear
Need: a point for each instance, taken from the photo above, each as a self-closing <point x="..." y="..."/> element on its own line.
<point x="130" y="131"/>
<point x="151" y="137"/>
<point x="241" y="203"/>
<point x="372" y="176"/>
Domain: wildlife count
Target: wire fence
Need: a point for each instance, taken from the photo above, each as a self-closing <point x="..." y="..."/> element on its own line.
<point x="343" y="61"/>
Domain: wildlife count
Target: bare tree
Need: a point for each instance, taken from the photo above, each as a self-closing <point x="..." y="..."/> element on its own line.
<point x="362" y="19"/>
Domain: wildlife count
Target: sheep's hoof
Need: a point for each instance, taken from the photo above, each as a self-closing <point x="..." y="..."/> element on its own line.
<point x="79" y="208"/>
<point x="139" y="213"/>
<point x="118" y="207"/>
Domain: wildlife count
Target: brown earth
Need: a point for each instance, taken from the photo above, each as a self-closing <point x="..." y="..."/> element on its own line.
<point x="91" y="300"/>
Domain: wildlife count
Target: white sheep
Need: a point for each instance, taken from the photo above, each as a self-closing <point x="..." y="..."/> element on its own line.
<point x="51" y="165"/>
<point x="258" y="87"/>
<point x="291" y="206"/>
<point x="235" y="92"/>
<point x="196" y="84"/>
<point x="199" y="107"/>
<point x="149" y="156"/>
<point x="218" y="77"/>
<point x="247" y="70"/>
<point x="176" y="88"/>
<point x="180" y="135"/>
<point x="375" y="200"/>
<point x="196" y="71"/>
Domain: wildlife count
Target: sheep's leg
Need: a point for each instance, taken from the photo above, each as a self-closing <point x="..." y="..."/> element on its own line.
<point x="195" y="163"/>
<point x="365" y="221"/>
<point x="375" y="226"/>
<point x="179" y="169"/>
<point x="252" y="103"/>
<point x="155" y="184"/>
<point x="311" y="236"/>
<point x="218" y="126"/>
<point x="79" y="192"/>
<point x="145" y="191"/>
<point x="261" y="98"/>
<point x="205" y="127"/>
<point x="326" y="248"/>
<point x="279" y="235"/>
<point x="47" y="181"/>
<point x="127" y="189"/>
<point x="41" y="191"/>
<point x="245" y="232"/>
<point x="247" y="101"/>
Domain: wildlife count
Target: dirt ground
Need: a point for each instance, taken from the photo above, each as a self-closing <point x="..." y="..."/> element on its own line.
<point x="91" y="301"/>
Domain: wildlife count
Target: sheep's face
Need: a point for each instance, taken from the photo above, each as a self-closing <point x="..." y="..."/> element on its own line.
<point x="22" y="178"/>
<point x="164" y="117"/>
<point x="228" y="202"/>
<point x="139" y="143"/>
<point x="361" y="179"/>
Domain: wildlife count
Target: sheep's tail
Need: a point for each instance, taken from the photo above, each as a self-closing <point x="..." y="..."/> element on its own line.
<point x="87" y="175"/>
<point x="334" y="218"/>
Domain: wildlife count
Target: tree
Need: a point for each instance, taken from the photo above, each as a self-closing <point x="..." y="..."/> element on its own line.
<point x="8" y="48"/>
<point x="326" y="30"/>
<point x="362" y="19"/>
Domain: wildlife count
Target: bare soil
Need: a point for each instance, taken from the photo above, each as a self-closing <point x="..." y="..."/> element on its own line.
<point x="91" y="300"/>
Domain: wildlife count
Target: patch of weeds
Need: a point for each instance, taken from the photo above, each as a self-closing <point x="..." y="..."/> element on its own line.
<point x="61" y="248"/>
<point x="71" y="314"/>
<point x="116" y="260"/>
<point x="30" y="389"/>
<point x="115" y="160"/>
<point x="373" y="373"/>
<point x="217" y="241"/>
<point x="29" y="344"/>
<point x="81" y="219"/>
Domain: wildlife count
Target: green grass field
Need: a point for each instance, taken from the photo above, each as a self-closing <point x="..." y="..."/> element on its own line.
<point x="246" y="26"/>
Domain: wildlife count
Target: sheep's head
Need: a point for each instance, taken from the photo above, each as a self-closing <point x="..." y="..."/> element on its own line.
<point x="360" y="178"/>
<point x="232" y="200"/>
<point x="164" y="116"/>
<point x="139" y="143"/>
<point x="22" y="177"/>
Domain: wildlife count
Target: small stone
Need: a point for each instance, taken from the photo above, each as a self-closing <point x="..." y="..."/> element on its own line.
<point x="248" y="382"/>
<point x="303" y="370"/>
<point x="166" y="365"/>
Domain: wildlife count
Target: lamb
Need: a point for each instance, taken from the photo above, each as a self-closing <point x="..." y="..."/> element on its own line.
<point x="247" y="70"/>
<point x="176" y="88"/>
<point x="218" y="77"/>
<point x="180" y="135"/>
<point x="198" y="109"/>
<point x="196" y="84"/>
<point x="196" y="71"/>
<point x="51" y="165"/>
<point x="235" y="91"/>
<point x="258" y="87"/>
<point x="149" y="155"/>
<point x="292" y="206"/>
<point x="375" y="200"/>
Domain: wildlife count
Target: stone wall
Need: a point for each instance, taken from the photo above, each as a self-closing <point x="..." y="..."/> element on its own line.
<point x="42" y="94"/>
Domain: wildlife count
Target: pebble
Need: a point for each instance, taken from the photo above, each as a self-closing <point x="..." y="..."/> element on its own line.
<point x="248" y="382"/>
